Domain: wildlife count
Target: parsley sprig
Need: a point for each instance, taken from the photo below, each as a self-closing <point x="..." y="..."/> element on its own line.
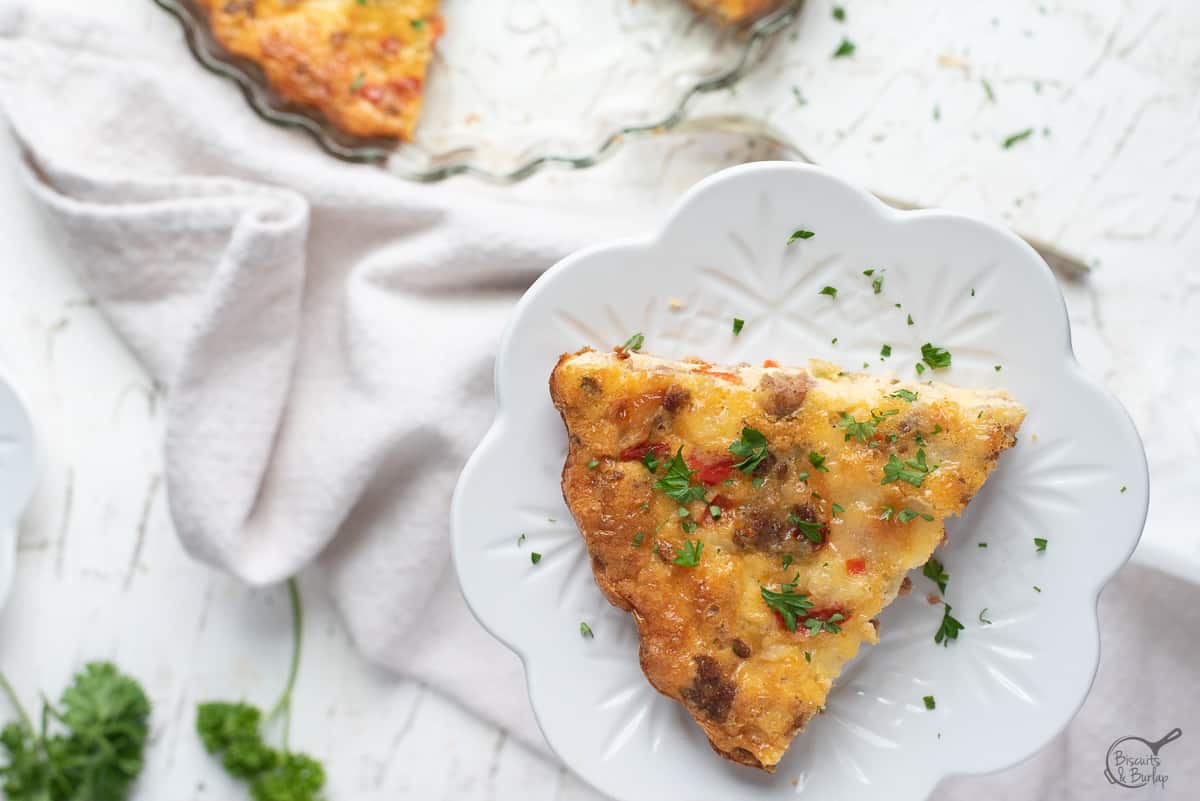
<point x="811" y="530"/>
<point x="935" y="571"/>
<point x="937" y="358"/>
<point x="677" y="483"/>
<point x="787" y="602"/>
<point x="95" y="752"/>
<point x="949" y="628"/>
<point x="913" y="471"/>
<point x="689" y="553"/>
<point x="865" y="429"/>
<point x="234" y="732"/>
<point x="752" y="447"/>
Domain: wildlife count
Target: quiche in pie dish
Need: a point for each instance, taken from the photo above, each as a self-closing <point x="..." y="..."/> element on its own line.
<point x="755" y="520"/>
<point x="361" y="63"/>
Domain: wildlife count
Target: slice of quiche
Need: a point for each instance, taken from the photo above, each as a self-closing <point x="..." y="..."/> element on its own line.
<point x="361" y="64"/>
<point x="756" y="520"/>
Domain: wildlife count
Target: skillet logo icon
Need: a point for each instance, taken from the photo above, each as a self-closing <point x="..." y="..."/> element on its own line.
<point x="1134" y="762"/>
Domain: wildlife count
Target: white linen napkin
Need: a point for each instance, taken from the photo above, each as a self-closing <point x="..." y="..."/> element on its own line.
<point x="326" y="334"/>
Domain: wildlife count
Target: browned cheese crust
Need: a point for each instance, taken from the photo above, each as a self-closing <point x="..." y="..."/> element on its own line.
<point x="708" y="638"/>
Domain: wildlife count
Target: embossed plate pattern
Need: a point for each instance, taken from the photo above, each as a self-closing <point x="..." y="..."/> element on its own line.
<point x="974" y="289"/>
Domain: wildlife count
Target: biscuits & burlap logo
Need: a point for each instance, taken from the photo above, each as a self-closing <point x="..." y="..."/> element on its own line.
<point x="1134" y="762"/>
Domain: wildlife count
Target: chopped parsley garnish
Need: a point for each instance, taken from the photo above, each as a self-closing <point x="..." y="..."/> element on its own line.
<point x="688" y="526"/>
<point x="935" y="357"/>
<point x="682" y="512"/>
<point x="787" y="602"/>
<point x="972" y="291"/>
<point x="906" y="515"/>
<point x="935" y="571"/>
<point x="910" y="320"/>
<point x="816" y="625"/>
<point x="757" y="482"/>
<point x="1037" y="588"/>
<point x="737" y="326"/>
<point x="357" y="83"/>
<point x="886" y="512"/>
<point x="752" y="447"/>
<point x="829" y="290"/>
<point x="418" y="24"/>
<point x="802" y="475"/>
<point x="593" y="464"/>
<point x="837" y="508"/>
<point x="585" y="630"/>
<point x="635" y="342"/>
<point x="638" y="538"/>
<point x="808" y="657"/>
<point x="1040" y="542"/>
<point x="885" y="351"/>
<point x="866" y="429"/>
<point x="983" y="619"/>
<point x="1124" y="488"/>
<point x="998" y="368"/>
<point x="877" y="284"/>
<point x="929" y="702"/>
<point x="949" y="629"/>
<point x="920" y="368"/>
<point x="809" y="529"/>
<point x="521" y="539"/>
<point x="817" y="461"/>
<point x="1009" y="141"/>
<point x="911" y="470"/>
<point x="869" y="273"/>
<point x="651" y="460"/>
<point x="904" y="394"/>
<point x="833" y="341"/>
<point x="800" y="233"/>
<point x="846" y="48"/>
<point x="535" y="557"/>
<point x="987" y="89"/>
<point x="689" y="554"/>
<point x="677" y="483"/>
<point x="983" y="545"/>
<point x="714" y="511"/>
<point x="839" y="13"/>
<point x="787" y="561"/>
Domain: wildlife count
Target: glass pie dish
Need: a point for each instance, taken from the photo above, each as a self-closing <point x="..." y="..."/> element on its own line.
<point x="516" y="85"/>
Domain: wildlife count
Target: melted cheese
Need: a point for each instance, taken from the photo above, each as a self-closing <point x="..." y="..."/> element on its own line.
<point x="616" y="404"/>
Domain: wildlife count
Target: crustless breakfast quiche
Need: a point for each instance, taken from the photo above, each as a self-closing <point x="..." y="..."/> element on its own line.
<point x="756" y="520"/>
<point x="361" y="63"/>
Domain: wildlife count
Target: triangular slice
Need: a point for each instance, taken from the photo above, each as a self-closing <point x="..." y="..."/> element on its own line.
<point x="756" y="520"/>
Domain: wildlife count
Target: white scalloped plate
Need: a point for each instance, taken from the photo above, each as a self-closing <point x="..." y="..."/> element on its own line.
<point x="1003" y="690"/>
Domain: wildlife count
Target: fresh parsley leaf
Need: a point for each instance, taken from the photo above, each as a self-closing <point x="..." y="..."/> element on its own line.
<point x="418" y="24"/>
<point x="837" y="508"/>
<point x="585" y="630"/>
<point x="904" y="394"/>
<point x="297" y="777"/>
<point x="817" y="461"/>
<point x="802" y="475"/>
<point x="1040" y="542"/>
<point x="949" y="628"/>
<point x="886" y="512"/>
<point x="983" y="619"/>
<point x="997" y="368"/>
<point x="786" y="561"/>
<point x="650" y="460"/>
<point x="1037" y="588"/>
<point x="935" y="357"/>
<point x="863" y="430"/>
<point x="1123" y="489"/>
<point x="905" y="515"/>
<point x="972" y="291"/>
<point x="593" y="464"/>
<point x="839" y="13"/>
<point x="983" y="545"/>
<point x="1009" y="141"/>
<point x="800" y="233"/>
<point x="935" y="571"/>
<point x="808" y="656"/>
<point x="929" y="702"/>
<point x="737" y="326"/>
<point x="638" y="538"/>
<point x="920" y="368"/>
<point x="688" y="526"/>
<point x="757" y="482"/>
<point x="714" y="511"/>
<point x="910" y="320"/>
<point x="877" y="284"/>
<point x="635" y="342"/>
<point x="787" y="602"/>
<point x="829" y="290"/>
<point x="816" y="625"/>
<point x="689" y="554"/>
<point x="811" y="530"/>
<point x="869" y="273"/>
<point x="885" y="351"/>
<point x="752" y="447"/>
<point x="911" y="470"/>
<point x="846" y="48"/>
<point x="535" y="557"/>
<point x="987" y="90"/>
<point x="677" y="483"/>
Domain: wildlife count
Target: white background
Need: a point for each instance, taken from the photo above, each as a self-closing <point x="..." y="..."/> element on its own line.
<point x="1115" y="176"/>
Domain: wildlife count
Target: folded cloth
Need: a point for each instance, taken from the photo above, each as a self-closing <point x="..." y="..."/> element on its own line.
<point x="325" y="332"/>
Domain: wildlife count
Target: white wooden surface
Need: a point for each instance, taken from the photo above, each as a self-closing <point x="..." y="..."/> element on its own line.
<point x="1117" y="177"/>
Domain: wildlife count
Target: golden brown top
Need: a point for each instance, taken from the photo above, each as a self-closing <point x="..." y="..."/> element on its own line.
<point x="837" y="487"/>
<point x="361" y="63"/>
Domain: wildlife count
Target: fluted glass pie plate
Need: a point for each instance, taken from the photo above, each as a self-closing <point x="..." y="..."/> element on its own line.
<point x="1017" y="673"/>
<point x="517" y="85"/>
